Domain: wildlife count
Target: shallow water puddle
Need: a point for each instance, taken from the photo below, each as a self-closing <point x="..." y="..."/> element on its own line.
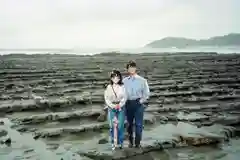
<point x="24" y="146"/>
<point x="227" y="151"/>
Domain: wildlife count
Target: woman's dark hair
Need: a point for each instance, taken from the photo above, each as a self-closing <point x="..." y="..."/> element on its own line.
<point x="116" y="73"/>
<point x="131" y="64"/>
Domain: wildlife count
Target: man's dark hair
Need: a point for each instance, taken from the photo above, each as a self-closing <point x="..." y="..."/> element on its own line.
<point x="131" y="64"/>
<point x="116" y="73"/>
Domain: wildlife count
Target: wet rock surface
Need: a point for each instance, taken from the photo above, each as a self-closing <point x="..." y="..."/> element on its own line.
<point x="194" y="102"/>
<point x="3" y="133"/>
<point x="165" y="137"/>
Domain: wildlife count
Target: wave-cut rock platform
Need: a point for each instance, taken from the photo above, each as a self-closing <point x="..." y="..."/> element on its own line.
<point x="51" y="106"/>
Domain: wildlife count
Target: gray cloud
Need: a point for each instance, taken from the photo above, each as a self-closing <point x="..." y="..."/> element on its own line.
<point x="110" y="23"/>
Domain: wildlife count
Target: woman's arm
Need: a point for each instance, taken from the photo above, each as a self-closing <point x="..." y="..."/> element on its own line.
<point x="124" y="98"/>
<point x="107" y="94"/>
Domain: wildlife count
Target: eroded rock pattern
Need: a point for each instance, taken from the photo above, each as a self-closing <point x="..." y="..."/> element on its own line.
<point x="194" y="101"/>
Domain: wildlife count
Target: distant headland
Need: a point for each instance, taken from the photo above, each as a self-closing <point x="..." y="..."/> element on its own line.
<point x="232" y="39"/>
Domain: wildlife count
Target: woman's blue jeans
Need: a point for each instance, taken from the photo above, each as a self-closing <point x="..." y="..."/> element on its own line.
<point x="121" y="117"/>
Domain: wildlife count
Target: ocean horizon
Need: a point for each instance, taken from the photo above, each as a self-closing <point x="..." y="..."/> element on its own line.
<point x="93" y="51"/>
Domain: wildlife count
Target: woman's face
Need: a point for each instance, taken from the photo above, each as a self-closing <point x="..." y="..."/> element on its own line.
<point x="115" y="79"/>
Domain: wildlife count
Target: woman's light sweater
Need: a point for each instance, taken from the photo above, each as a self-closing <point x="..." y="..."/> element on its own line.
<point x="110" y="97"/>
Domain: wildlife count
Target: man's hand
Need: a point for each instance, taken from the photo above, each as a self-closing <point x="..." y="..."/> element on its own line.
<point x="141" y="101"/>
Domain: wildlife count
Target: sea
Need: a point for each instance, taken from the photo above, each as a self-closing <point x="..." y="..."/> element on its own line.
<point x="93" y="51"/>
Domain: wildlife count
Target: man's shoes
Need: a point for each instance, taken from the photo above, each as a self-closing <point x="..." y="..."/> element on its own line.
<point x="130" y="145"/>
<point x="137" y="141"/>
<point x="137" y="146"/>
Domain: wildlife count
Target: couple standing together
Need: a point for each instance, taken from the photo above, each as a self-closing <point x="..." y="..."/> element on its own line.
<point x="126" y="98"/>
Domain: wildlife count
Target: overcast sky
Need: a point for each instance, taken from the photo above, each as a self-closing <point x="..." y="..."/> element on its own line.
<point x="112" y="23"/>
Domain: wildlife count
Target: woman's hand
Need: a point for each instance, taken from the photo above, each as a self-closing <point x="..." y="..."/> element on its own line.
<point x="117" y="106"/>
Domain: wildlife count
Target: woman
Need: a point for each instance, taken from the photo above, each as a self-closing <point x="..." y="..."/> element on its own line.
<point x="115" y="99"/>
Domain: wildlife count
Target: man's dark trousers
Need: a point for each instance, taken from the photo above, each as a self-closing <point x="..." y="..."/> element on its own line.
<point x="134" y="111"/>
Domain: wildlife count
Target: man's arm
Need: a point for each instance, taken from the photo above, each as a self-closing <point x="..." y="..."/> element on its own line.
<point x="145" y="92"/>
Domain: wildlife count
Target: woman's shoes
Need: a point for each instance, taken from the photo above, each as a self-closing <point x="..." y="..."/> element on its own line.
<point x="118" y="146"/>
<point x="121" y="146"/>
<point x="113" y="147"/>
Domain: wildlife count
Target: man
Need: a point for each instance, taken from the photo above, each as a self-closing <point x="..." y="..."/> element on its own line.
<point x="137" y="90"/>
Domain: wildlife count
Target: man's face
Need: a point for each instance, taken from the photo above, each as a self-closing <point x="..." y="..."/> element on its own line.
<point x="132" y="70"/>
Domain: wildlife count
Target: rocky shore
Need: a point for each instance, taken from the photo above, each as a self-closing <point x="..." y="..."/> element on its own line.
<point x="52" y="105"/>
